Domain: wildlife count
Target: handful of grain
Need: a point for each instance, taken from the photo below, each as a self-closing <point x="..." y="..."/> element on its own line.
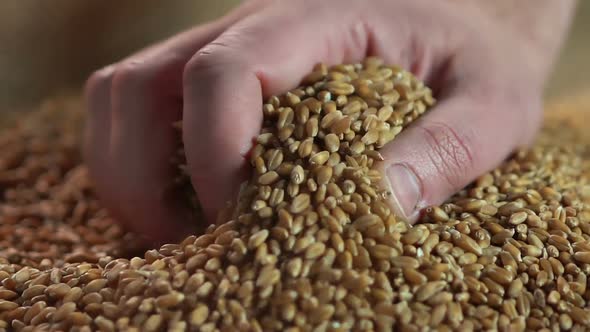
<point x="314" y="245"/>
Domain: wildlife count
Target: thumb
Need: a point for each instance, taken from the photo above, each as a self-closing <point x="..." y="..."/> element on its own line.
<point x="460" y="139"/>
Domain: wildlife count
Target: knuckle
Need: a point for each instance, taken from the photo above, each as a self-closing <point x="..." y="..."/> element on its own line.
<point x="231" y="50"/>
<point x="200" y="62"/>
<point x="129" y="74"/>
<point x="450" y="152"/>
<point x="212" y="58"/>
<point x="156" y="75"/>
<point x="98" y="82"/>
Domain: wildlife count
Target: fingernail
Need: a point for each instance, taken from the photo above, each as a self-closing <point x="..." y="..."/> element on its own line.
<point x="405" y="189"/>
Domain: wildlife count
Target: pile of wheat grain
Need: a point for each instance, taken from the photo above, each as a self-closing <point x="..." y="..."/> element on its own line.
<point x="313" y="245"/>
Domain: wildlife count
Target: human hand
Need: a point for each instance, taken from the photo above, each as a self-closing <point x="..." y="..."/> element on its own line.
<point x="488" y="77"/>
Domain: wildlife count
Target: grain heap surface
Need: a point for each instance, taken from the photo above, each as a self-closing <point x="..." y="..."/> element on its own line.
<point x="313" y="245"/>
<point x="48" y="212"/>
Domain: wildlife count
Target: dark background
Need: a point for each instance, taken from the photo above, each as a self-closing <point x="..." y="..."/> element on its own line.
<point x="50" y="47"/>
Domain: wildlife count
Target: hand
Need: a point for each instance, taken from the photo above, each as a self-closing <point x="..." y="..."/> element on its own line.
<point x="486" y="75"/>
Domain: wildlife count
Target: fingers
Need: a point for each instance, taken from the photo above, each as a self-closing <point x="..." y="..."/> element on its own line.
<point x="146" y="98"/>
<point x="268" y="53"/>
<point x="226" y="81"/>
<point x="130" y="139"/>
<point x="467" y="134"/>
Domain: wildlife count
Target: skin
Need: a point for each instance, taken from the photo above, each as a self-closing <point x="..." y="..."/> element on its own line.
<point x="487" y="62"/>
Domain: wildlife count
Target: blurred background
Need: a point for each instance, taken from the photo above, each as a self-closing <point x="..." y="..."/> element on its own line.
<point x="50" y="47"/>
